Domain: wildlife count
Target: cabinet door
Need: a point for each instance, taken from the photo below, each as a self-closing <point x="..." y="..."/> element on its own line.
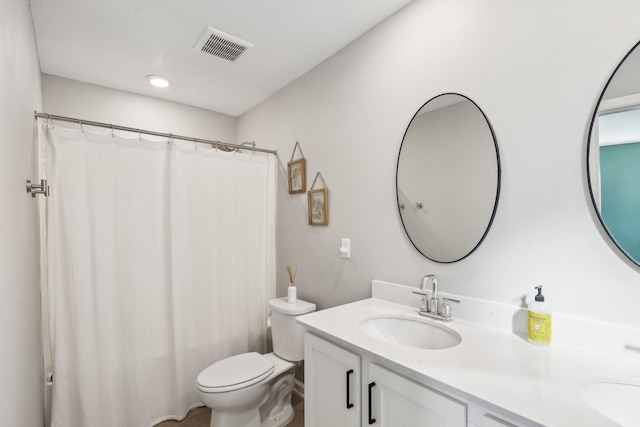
<point x="332" y="385"/>
<point x="394" y="400"/>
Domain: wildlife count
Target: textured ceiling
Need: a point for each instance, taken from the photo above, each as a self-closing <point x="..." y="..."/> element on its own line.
<point x="117" y="43"/>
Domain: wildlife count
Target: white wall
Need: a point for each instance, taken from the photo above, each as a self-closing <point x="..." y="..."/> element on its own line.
<point x="70" y="98"/>
<point x="21" y="390"/>
<point x="536" y="69"/>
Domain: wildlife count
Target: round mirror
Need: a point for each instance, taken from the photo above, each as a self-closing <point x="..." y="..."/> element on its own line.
<point x="613" y="156"/>
<point x="448" y="178"/>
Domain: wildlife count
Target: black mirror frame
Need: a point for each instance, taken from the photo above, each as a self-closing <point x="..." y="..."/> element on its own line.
<point x="588" y="170"/>
<point x="499" y="178"/>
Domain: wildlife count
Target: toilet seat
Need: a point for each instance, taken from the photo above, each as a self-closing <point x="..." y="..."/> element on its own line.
<point x="235" y="372"/>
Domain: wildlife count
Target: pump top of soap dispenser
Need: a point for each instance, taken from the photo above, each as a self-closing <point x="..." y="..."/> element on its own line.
<point x="539" y="296"/>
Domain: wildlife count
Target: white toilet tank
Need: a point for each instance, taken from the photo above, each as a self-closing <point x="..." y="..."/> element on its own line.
<point x="287" y="335"/>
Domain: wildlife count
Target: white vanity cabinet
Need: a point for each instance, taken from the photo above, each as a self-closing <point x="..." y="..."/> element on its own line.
<point x="397" y="401"/>
<point x="344" y="389"/>
<point x="491" y="378"/>
<point x="332" y="377"/>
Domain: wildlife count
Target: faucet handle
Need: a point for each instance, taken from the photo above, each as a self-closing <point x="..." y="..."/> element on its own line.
<point x="424" y="305"/>
<point x="446" y="308"/>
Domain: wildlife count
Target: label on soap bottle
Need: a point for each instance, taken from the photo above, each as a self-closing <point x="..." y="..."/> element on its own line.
<point x="539" y="328"/>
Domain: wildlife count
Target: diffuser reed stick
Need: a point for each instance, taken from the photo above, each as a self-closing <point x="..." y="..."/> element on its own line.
<point x="292" y="274"/>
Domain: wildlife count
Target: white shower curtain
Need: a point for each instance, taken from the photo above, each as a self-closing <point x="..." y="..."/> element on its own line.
<point x="160" y="261"/>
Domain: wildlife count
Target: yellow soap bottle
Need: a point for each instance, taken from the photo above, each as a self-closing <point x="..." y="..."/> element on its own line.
<point x="539" y="331"/>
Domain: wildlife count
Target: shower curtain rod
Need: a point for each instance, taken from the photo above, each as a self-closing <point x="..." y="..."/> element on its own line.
<point x="148" y="132"/>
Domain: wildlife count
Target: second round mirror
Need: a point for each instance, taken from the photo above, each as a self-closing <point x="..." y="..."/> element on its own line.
<point x="613" y="157"/>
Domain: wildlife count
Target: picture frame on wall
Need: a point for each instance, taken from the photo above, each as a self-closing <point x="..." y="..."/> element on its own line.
<point x="297" y="176"/>
<point x="296" y="172"/>
<point x="318" y="203"/>
<point x="318" y="206"/>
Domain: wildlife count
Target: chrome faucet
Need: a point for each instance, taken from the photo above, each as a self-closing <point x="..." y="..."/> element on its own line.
<point x="435" y="307"/>
<point x="432" y="306"/>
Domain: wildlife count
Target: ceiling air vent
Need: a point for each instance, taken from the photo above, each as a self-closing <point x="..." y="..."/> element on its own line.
<point x="218" y="43"/>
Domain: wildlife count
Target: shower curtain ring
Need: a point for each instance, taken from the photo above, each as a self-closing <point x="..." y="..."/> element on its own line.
<point x="112" y="134"/>
<point x="139" y="135"/>
<point x="81" y="127"/>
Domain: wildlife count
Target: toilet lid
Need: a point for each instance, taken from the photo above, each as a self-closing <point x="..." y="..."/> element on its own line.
<point x="235" y="372"/>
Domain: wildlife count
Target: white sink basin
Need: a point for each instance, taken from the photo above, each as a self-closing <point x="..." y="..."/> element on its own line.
<point x="410" y="332"/>
<point x="615" y="399"/>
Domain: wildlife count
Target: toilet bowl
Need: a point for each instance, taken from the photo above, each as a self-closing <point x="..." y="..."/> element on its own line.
<point x="252" y="389"/>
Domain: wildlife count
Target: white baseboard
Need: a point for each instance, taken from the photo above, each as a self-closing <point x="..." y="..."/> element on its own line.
<point x="298" y="388"/>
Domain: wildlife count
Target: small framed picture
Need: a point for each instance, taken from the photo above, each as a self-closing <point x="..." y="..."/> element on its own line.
<point x="318" y="206"/>
<point x="297" y="176"/>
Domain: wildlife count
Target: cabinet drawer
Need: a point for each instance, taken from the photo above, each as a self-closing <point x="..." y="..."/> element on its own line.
<point x="490" y="421"/>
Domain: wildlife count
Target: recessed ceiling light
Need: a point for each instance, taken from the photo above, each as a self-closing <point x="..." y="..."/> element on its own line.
<point x="158" y="81"/>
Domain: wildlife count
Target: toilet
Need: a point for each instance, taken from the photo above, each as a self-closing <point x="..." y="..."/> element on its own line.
<point x="252" y="389"/>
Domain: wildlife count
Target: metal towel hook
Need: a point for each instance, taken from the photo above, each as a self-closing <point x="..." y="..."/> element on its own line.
<point x="35" y="189"/>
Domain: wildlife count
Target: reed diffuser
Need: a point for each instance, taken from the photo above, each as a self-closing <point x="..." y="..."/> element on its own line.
<point x="291" y="291"/>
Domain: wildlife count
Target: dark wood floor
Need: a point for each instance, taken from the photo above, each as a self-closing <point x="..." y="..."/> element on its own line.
<point x="200" y="417"/>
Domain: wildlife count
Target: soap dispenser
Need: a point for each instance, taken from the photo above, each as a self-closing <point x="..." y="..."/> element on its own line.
<point x="539" y="330"/>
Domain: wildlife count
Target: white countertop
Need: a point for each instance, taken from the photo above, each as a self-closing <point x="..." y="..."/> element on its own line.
<point x="492" y="367"/>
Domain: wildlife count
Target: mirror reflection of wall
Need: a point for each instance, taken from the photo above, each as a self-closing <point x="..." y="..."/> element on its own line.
<point x="614" y="157"/>
<point x="447" y="178"/>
